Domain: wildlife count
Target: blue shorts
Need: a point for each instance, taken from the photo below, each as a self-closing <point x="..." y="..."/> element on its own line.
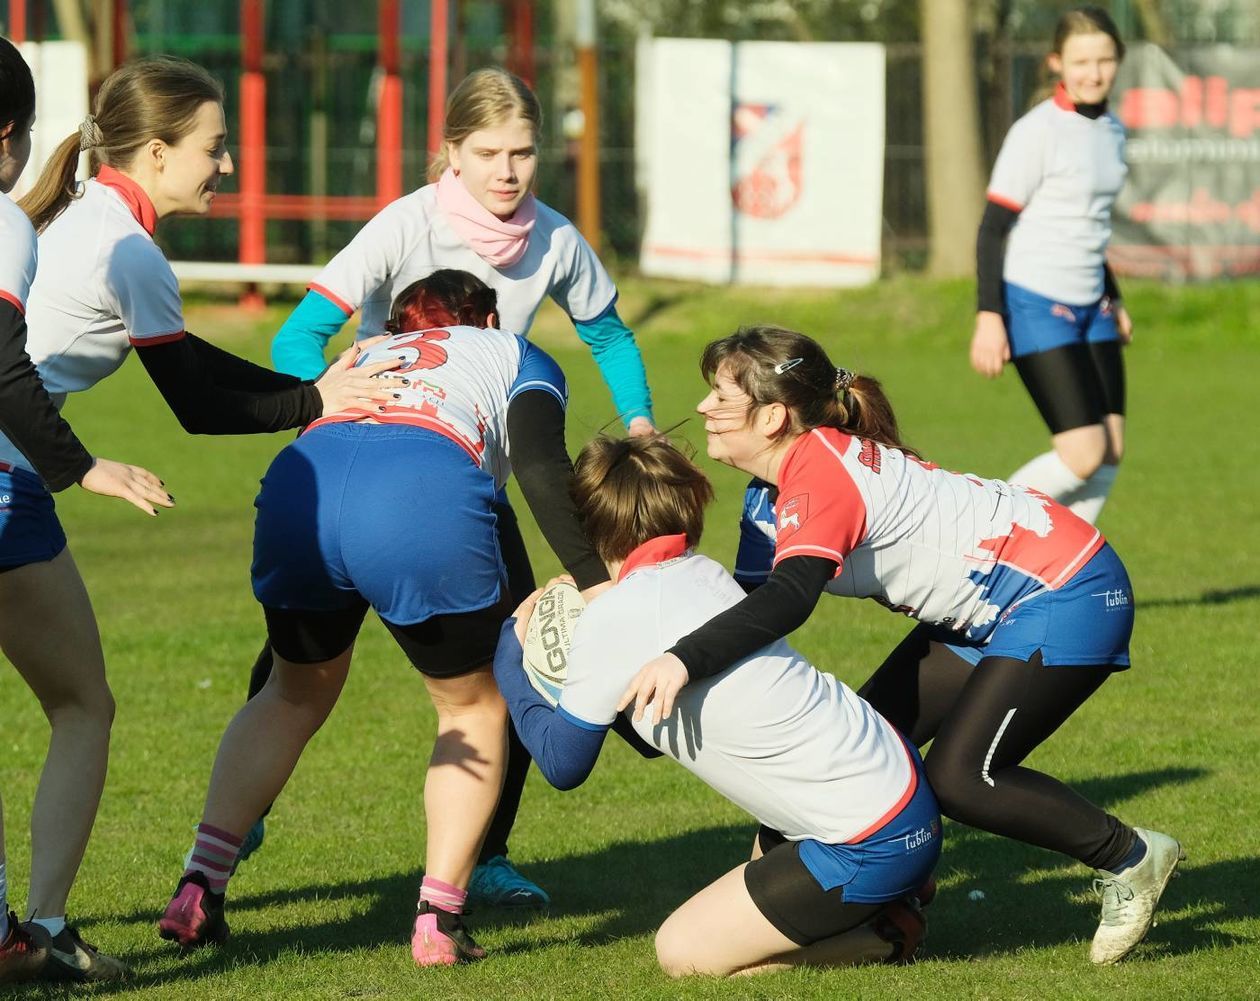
<point x="1035" y="323"/>
<point x="889" y="864"/>
<point x="398" y="516"/>
<point x="29" y="529"/>
<point x="1088" y="621"/>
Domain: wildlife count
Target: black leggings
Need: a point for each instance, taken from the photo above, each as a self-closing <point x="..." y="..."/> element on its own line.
<point x="1075" y="386"/>
<point x="520" y="584"/>
<point x="983" y="722"/>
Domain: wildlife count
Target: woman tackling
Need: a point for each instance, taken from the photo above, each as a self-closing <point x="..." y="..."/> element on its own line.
<point x="849" y="826"/>
<point x="157" y="148"/>
<point x="39" y="455"/>
<point x="1049" y="303"/>
<point x="479" y="216"/>
<point x="470" y="397"/>
<point x="1024" y="609"/>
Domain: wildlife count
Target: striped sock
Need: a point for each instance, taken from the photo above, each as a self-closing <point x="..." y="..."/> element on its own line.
<point x="443" y="895"/>
<point x="213" y="855"/>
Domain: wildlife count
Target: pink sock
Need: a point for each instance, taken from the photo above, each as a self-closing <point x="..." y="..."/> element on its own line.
<point x="213" y="855"/>
<point x="443" y="895"/>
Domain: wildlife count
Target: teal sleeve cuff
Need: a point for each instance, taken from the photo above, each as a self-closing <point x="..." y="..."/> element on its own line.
<point x="298" y="347"/>
<point x="613" y="346"/>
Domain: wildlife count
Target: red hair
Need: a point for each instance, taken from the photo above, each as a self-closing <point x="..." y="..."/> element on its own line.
<point x="446" y="298"/>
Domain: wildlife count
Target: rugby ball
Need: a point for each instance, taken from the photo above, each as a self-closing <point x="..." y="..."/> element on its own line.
<point x="548" y="635"/>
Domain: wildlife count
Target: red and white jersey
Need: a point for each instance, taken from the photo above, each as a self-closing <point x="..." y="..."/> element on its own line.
<point x="18" y="254"/>
<point x="946" y="548"/>
<point x="105" y="286"/>
<point x="461" y="381"/>
<point x="410" y="238"/>
<point x="794" y="747"/>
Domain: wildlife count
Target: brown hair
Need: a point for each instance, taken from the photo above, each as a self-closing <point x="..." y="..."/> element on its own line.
<point x="146" y="99"/>
<point x="630" y="490"/>
<point x="485" y="98"/>
<point x="776" y="365"/>
<point x="1087" y="20"/>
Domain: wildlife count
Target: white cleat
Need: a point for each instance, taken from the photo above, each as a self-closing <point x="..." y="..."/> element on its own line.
<point x="1129" y="897"/>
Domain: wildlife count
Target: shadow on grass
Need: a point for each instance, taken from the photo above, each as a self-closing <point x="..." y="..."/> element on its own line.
<point x="1222" y="597"/>
<point x="654" y="306"/>
<point x="1033" y="898"/>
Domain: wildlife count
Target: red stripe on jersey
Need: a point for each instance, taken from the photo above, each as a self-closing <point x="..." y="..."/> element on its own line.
<point x="898" y="806"/>
<point x="14" y="300"/>
<point x="652" y="553"/>
<point x="6" y="467"/>
<point x="402" y="416"/>
<point x="1053" y="558"/>
<point x="144" y="342"/>
<point x="133" y="196"/>
<point x="332" y="297"/>
<point x="1006" y="203"/>
<point x="820" y="511"/>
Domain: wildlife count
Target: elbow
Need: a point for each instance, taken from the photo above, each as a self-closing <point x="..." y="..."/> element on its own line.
<point x="194" y="423"/>
<point x="565" y="776"/>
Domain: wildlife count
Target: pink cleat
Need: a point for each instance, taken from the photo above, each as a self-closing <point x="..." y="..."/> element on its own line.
<point x="194" y="917"/>
<point x="439" y="938"/>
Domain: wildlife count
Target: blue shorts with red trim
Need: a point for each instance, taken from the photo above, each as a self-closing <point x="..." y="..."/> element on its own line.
<point x="29" y="529"/>
<point x="395" y="515"/>
<point x="1088" y="621"/>
<point x="894" y="861"/>
<point x="1035" y="323"/>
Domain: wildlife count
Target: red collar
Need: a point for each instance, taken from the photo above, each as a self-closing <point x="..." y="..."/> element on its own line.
<point x="1061" y="100"/>
<point x="133" y="196"/>
<point x="653" y="552"/>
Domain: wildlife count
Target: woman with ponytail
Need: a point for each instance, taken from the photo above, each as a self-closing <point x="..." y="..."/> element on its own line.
<point x="157" y="148"/>
<point x="1024" y="610"/>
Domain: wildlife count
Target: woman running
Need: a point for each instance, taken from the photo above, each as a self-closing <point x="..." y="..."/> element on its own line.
<point x="326" y="547"/>
<point x="1050" y="302"/>
<point x="480" y="216"/>
<point x="1024" y="609"/>
<point x="849" y="827"/>
<point x="157" y="148"/>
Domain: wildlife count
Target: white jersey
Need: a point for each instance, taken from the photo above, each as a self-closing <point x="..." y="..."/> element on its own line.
<point x="105" y="286"/>
<point x="461" y="381"/>
<point x="1061" y="172"/>
<point x="410" y="238"/>
<point x="18" y="254"/>
<point x="946" y="548"/>
<point x="793" y="746"/>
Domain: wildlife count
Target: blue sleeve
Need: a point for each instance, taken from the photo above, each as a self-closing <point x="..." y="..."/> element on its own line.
<point x="757" y="532"/>
<point x="564" y="747"/>
<point x="298" y="347"/>
<point x="538" y="371"/>
<point x="620" y="363"/>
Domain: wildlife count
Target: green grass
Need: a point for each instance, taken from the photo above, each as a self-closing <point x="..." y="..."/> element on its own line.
<point x="323" y="910"/>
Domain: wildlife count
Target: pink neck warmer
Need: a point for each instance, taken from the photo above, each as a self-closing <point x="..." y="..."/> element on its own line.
<point x="500" y="242"/>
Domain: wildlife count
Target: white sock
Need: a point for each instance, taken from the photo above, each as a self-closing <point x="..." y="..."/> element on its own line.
<point x="1050" y="475"/>
<point x="1089" y="500"/>
<point x="51" y="925"/>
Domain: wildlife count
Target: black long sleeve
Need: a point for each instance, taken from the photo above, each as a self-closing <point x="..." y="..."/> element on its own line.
<point x="28" y="415"/>
<point x="776" y="608"/>
<point x="212" y="391"/>
<point x="1110" y="289"/>
<point x="995" y="224"/>
<point x="541" y="465"/>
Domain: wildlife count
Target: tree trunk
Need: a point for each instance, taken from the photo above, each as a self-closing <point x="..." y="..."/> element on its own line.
<point x="951" y="134"/>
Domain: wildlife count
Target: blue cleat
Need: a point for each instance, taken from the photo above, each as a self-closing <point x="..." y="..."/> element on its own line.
<point x="496" y="883"/>
<point x="252" y="841"/>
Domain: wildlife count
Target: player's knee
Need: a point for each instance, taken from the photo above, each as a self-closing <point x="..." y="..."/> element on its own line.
<point x="89" y="705"/>
<point x="672" y="952"/>
<point x="1083" y="450"/>
<point x="954" y="779"/>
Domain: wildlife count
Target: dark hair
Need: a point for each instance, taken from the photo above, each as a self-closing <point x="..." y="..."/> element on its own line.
<point x="776" y="365"/>
<point x="155" y="98"/>
<point x="445" y="298"/>
<point x="1087" y="20"/>
<point x="17" y="90"/>
<point x="630" y="490"/>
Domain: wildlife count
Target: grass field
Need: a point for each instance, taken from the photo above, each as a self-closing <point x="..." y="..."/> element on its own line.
<point x="324" y="910"/>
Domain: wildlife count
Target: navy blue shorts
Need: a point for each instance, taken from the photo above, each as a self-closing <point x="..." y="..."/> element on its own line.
<point x="1088" y="621"/>
<point x="395" y="515"/>
<point x="29" y="529"/>
<point x="1035" y="323"/>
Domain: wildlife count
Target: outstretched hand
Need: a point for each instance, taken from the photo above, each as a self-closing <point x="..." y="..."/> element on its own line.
<point x="133" y="484"/>
<point x="658" y="683"/>
<point x="344" y="386"/>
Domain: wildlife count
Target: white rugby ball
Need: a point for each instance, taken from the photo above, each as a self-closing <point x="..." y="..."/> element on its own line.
<point x="548" y="635"/>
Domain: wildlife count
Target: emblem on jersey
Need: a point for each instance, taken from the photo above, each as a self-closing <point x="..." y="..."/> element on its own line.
<point x="1115" y="597"/>
<point x="792" y="513"/>
<point x="767" y="144"/>
<point x="420" y="351"/>
<point x="869" y="456"/>
<point x="1062" y="312"/>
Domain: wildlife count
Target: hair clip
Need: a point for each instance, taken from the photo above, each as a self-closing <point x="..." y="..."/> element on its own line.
<point x="844" y="379"/>
<point x="785" y="366"/>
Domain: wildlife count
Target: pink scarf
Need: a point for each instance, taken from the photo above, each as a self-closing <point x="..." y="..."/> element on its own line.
<point x="500" y="242"/>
